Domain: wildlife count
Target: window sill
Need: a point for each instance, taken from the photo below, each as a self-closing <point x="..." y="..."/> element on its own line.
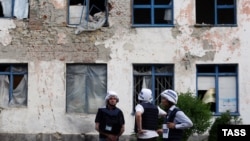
<point x="215" y="25"/>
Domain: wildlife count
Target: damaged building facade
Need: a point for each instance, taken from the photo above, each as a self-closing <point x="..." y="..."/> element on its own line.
<point x="59" y="57"/>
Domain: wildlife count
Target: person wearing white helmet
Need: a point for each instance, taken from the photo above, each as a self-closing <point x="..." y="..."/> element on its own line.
<point x="109" y="121"/>
<point x="111" y="94"/>
<point x="176" y="120"/>
<point x="146" y="117"/>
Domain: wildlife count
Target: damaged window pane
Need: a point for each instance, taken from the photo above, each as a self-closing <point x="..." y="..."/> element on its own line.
<point x="13" y="85"/>
<point x="88" y="15"/>
<point x="152" y="13"/>
<point x="216" y="12"/>
<point x="86" y="88"/>
<point x="155" y="77"/>
<point x="217" y="86"/>
<point x="14" y="9"/>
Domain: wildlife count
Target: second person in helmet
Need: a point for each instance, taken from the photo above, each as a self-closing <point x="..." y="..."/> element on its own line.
<point x="176" y="120"/>
<point x="146" y="117"/>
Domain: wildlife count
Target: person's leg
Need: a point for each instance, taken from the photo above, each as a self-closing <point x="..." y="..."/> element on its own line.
<point x="151" y="139"/>
<point x="102" y="139"/>
<point x="171" y="140"/>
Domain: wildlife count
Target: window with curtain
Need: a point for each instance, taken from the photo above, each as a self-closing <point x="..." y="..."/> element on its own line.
<point x="13" y="85"/>
<point x="217" y="85"/>
<point x="14" y="9"/>
<point x="156" y="77"/>
<point x="86" y="87"/>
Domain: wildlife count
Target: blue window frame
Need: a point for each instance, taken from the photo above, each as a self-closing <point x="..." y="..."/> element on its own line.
<point x="217" y="85"/>
<point x="13" y="85"/>
<point x="152" y="13"/>
<point x="80" y="11"/>
<point x="216" y="12"/>
<point x="156" y="77"/>
<point x="14" y="9"/>
<point x="86" y="87"/>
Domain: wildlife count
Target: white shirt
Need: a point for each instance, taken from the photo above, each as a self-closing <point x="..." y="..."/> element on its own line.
<point x="148" y="133"/>
<point x="181" y="119"/>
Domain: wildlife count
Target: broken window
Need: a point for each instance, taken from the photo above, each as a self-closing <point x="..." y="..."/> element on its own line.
<point x="152" y="13"/>
<point x="14" y="9"/>
<point x="155" y="77"/>
<point x="13" y="85"/>
<point x="87" y="15"/>
<point x="86" y="87"/>
<point x="217" y="85"/>
<point x="216" y="12"/>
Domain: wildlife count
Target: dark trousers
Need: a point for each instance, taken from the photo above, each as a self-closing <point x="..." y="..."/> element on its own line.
<point x="171" y="140"/>
<point x="104" y="139"/>
<point x="151" y="139"/>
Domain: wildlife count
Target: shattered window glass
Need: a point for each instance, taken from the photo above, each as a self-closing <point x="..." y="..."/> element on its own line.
<point x="88" y="15"/>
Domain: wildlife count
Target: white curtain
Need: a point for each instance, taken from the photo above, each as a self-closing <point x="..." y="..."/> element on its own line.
<point x="18" y="97"/>
<point x="20" y="11"/>
<point x="4" y="91"/>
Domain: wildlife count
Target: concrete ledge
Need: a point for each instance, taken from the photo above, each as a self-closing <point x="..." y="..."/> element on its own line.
<point x="54" y="137"/>
<point x="70" y="137"/>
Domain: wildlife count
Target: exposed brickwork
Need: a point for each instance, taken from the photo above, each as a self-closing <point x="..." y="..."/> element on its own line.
<point x="46" y="36"/>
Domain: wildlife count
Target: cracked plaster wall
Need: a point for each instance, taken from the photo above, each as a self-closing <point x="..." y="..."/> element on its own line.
<point x="46" y="44"/>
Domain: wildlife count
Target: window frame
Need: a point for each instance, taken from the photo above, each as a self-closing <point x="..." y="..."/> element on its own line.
<point x="11" y="76"/>
<point x="216" y="74"/>
<point x="216" y="9"/>
<point x="152" y="7"/>
<point x="86" y="108"/>
<point x="86" y="2"/>
<point x="13" y="13"/>
<point x="153" y="75"/>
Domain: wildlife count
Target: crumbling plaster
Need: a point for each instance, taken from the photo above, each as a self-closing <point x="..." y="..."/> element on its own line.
<point x="5" y="25"/>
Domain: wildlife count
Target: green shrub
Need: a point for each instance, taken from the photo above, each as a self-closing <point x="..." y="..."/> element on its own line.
<point x="197" y="111"/>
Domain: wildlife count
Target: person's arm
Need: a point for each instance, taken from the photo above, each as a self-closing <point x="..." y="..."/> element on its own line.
<point x="97" y="126"/>
<point x="138" y="117"/>
<point x="138" y="120"/>
<point x="183" y="121"/>
<point x="97" y="122"/>
<point x="98" y="130"/>
<point x="161" y="111"/>
<point x="122" y="122"/>
<point x="122" y="130"/>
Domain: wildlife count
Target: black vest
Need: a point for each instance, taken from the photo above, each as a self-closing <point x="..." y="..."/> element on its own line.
<point x="110" y="118"/>
<point x="149" y="117"/>
<point x="174" y="134"/>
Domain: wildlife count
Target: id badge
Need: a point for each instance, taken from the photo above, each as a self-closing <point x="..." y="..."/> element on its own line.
<point x="108" y="128"/>
<point x="165" y="131"/>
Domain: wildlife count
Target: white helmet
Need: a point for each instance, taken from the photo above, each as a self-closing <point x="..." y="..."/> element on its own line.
<point x="110" y="94"/>
<point x="145" y="95"/>
<point x="170" y="95"/>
